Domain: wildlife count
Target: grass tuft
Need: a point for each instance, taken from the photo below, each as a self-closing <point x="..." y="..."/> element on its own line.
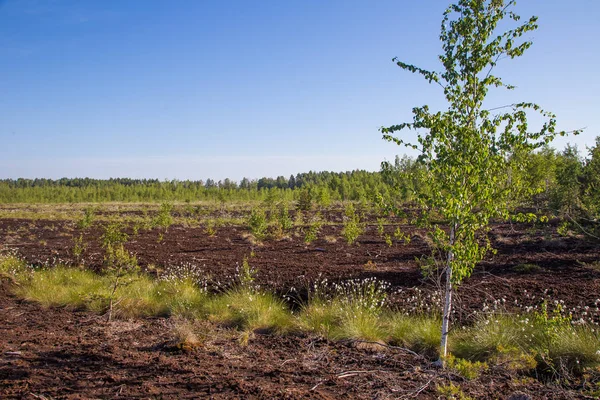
<point x="492" y="336"/>
<point x="12" y="267"/>
<point x="65" y="287"/>
<point x="321" y="317"/>
<point x="420" y="333"/>
<point x="550" y="345"/>
<point x="248" y="309"/>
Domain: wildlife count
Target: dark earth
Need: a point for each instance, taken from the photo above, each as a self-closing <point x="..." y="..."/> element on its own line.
<point x="61" y="353"/>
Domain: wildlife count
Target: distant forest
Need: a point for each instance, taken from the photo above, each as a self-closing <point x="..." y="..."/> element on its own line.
<point x="352" y="185"/>
<point x="562" y="181"/>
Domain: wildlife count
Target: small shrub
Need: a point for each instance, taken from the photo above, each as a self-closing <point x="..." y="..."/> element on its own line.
<point x="323" y="197"/>
<point x="210" y="228"/>
<point x="89" y="214"/>
<point x="353" y="227"/>
<point x="164" y="219"/>
<point x="451" y="392"/>
<point x="388" y="240"/>
<point x="122" y="265"/>
<point x="283" y="222"/>
<point x="381" y="226"/>
<point x="299" y="218"/>
<point x="314" y="228"/>
<point x="79" y="246"/>
<point x="112" y="238"/>
<point x="305" y="200"/>
<point x="564" y="229"/>
<point x="257" y="223"/>
<point x="465" y="368"/>
<point x="246" y="275"/>
<point x="136" y="228"/>
<point x="399" y="235"/>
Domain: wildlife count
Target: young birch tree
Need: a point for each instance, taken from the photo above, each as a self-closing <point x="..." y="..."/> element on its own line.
<point x="472" y="156"/>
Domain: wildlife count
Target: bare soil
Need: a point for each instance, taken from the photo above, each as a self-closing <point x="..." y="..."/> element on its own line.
<point x="58" y="353"/>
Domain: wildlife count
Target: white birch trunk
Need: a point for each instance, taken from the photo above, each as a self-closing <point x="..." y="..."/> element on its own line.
<point x="447" y="302"/>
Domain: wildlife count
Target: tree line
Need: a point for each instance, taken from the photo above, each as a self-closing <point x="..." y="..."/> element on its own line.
<point x="323" y="186"/>
<point x="564" y="183"/>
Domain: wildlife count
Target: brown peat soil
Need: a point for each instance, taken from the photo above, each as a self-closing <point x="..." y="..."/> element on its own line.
<point x="60" y="353"/>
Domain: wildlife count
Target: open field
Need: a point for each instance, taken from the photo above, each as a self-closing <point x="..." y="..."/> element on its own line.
<point x="65" y="353"/>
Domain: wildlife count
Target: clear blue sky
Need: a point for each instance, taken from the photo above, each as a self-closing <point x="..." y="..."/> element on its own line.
<point x="215" y="89"/>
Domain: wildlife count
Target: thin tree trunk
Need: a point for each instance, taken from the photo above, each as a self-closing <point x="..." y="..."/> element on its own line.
<point x="447" y="301"/>
<point x="112" y="294"/>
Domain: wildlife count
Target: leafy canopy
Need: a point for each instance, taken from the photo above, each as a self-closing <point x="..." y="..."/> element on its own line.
<point x="471" y="155"/>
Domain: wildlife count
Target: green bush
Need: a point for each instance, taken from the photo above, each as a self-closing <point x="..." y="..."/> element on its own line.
<point x="313" y="230"/>
<point x="164" y="219"/>
<point x="257" y="223"/>
<point x="89" y="214"/>
<point x="305" y="200"/>
<point x="283" y="222"/>
<point x="353" y="227"/>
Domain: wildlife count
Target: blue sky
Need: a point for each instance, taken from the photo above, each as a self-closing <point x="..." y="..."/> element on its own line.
<point x="216" y="89"/>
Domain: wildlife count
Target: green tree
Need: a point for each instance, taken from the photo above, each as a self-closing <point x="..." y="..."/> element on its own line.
<point x="541" y="174"/>
<point x="592" y="180"/>
<point x="567" y="194"/>
<point x="469" y="153"/>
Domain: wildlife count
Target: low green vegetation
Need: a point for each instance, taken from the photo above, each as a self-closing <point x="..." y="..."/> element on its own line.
<point x="257" y="223"/>
<point x="353" y="226"/>
<point x="544" y="343"/>
<point x="87" y="219"/>
<point x="250" y="310"/>
<point x="313" y="229"/>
